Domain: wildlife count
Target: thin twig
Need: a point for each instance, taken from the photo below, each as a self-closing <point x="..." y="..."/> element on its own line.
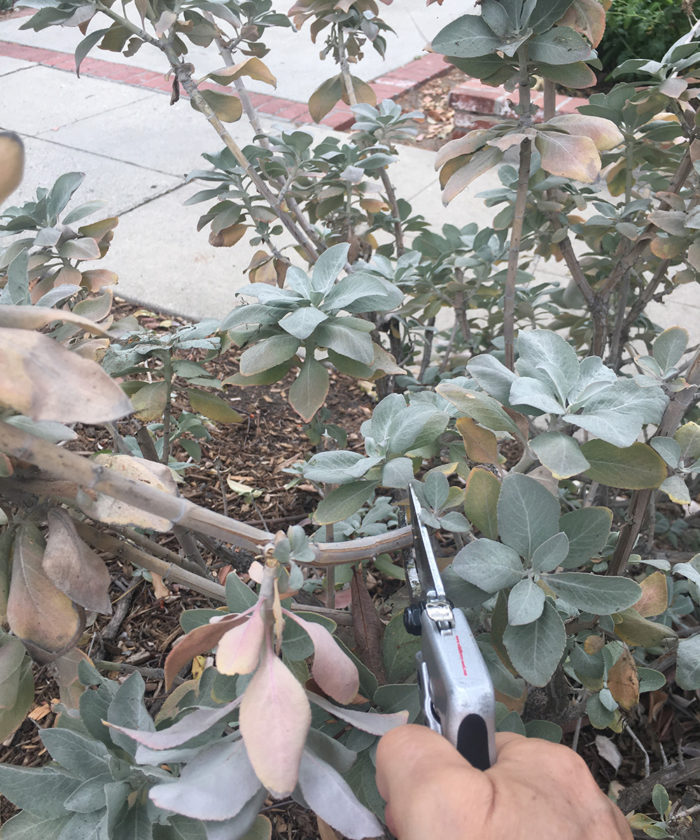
<point x="630" y="732"/>
<point x="516" y="232"/>
<point x="71" y="471"/>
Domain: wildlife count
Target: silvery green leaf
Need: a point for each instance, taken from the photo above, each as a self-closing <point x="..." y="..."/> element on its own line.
<point x="617" y="413"/>
<point x="330" y="750"/>
<point x="134" y="824"/>
<point x="489" y="565"/>
<point x="302" y="322"/>
<point x="188" y="727"/>
<point x="344" y="501"/>
<point x="296" y="577"/>
<point x="238" y="827"/>
<point x="298" y="281"/>
<point x="181" y="828"/>
<point x="253" y="313"/>
<point x="272" y="295"/>
<point x="560" y="453"/>
<point x="551" y="553"/>
<point x="399" y="649"/>
<point x="397" y="473"/>
<point x="90" y="796"/>
<point x="467" y="36"/>
<point x="527" y="391"/>
<point x="268" y="353"/>
<point x="378" y="427"/>
<point x="536" y="649"/>
<point x="559" y="45"/>
<point x="215" y="785"/>
<point x="650" y="680"/>
<point x="669" y="346"/>
<point x="46" y="429"/>
<point x="415" y="426"/>
<point x="26" y="826"/>
<point x="359" y="292"/>
<point x="330" y="796"/>
<point x="606" y="698"/>
<point x="128" y="709"/>
<point x="503" y="679"/>
<point x="690" y="570"/>
<point x="597" y="594"/>
<point x="436" y="489"/>
<point x="599" y="716"/>
<point x="39" y="790"/>
<point x="494" y="377"/>
<point x="688" y="663"/>
<point x="345" y="340"/>
<point x="593" y="376"/>
<point x="525" y="602"/>
<point x="528" y="514"/>
<point x="547" y="357"/>
<point x="337" y="466"/>
<point x="588" y="530"/>
<point x="676" y="489"/>
<point x="82" y="756"/>
<point x="328" y="266"/>
<point x="455" y="521"/>
<point x="668" y="448"/>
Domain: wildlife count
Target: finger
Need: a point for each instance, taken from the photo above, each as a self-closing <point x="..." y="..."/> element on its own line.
<point x="11" y="163"/>
<point x="507" y="741"/>
<point x="416" y="768"/>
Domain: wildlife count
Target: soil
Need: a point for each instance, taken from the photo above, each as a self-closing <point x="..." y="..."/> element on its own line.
<point x="255" y="453"/>
<point x="432" y="99"/>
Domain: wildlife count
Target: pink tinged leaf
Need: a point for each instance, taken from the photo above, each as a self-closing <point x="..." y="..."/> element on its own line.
<point x="371" y="722"/>
<point x="215" y="785"/>
<point x="330" y="796"/>
<point x="332" y="669"/>
<point x="184" y="730"/>
<point x="239" y="648"/>
<point x="274" y="719"/>
<point x="197" y="641"/>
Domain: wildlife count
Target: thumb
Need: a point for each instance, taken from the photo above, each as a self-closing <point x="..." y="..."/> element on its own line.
<point x="416" y="768"/>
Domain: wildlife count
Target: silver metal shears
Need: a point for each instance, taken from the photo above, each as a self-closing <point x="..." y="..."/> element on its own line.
<point x="456" y="690"/>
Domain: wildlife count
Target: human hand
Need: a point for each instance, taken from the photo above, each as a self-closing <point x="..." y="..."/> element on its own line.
<point x="536" y="790"/>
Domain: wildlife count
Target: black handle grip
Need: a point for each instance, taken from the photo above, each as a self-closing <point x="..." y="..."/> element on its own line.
<point x="473" y="741"/>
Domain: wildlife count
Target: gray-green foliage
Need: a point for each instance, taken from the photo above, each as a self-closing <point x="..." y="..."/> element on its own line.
<point x="306" y="317"/>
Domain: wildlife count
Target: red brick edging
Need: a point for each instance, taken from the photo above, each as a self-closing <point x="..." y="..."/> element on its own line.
<point x="476" y="105"/>
<point x="388" y="86"/>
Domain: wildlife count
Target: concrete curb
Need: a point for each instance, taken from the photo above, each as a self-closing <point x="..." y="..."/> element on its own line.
<point x="388" y="86"/>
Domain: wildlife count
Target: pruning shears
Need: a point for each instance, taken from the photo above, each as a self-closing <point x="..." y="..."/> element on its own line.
<point x="456" y="690"/>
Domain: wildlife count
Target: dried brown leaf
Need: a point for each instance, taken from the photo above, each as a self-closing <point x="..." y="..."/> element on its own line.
<point x="623" y="680"/>
<point x="367" y="627"/>
<point x="39" y="613"/>
<point x="73" y="567"/>
<point x="40" y="378"/>
<point x="654" y="598"/>
<point x="480" y="444"/>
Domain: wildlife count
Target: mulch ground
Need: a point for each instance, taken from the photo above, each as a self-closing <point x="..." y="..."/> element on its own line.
<point x="255" y="453"/>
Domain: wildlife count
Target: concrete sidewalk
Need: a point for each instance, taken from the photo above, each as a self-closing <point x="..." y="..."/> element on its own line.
<point x="116" y="125"/>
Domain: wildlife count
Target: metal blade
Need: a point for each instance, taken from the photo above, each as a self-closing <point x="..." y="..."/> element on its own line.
<point x="425" y="563"/>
